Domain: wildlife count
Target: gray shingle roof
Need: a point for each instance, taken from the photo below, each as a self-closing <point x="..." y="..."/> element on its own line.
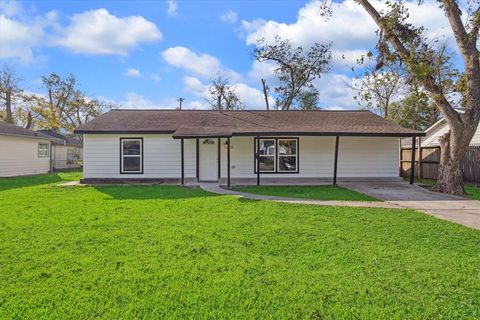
<point x="12" y="130"/>
<point x="191" y="123"/>
<point x="61" y="138"/>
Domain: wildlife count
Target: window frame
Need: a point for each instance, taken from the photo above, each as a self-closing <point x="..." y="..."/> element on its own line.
<point x="276" y="156"/>
<point x="48" y="150"/>
<point x="122" y="156"/>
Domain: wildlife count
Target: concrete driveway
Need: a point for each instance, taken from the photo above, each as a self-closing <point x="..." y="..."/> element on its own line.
<point x="447" y="207"/>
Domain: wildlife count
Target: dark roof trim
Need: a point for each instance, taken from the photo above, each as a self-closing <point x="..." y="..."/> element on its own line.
<point x="332" y="134"/>
<point x="124" y="131"/>
<point x="329" y="134"/>
<point x="38" y="137"/>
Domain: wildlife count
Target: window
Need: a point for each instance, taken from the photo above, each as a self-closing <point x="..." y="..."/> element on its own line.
<point x="43" y="150"/>
<point x="287" y="155"/>
<point x="267" y="155"/>
<point x="71" y="156"/>
<point x="131" y="155"/>
<point x="277" y="155"/>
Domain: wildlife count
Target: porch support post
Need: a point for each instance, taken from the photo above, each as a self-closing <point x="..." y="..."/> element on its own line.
<point x="412" y="161"/>
<point x="197" y="158"/>
<point x="219" y="155"/>
<point x="335" y="163"/>
<point x="228" y="162"/>
<point x="182" y="154"/>
<point x="257" y="157"/>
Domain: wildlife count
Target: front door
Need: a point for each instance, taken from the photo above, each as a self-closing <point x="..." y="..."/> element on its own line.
<point x="208" y="160"/>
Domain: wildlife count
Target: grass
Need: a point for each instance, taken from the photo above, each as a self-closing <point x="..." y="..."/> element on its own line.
<point x="308" y="192"/>
<point x="473" y="191"/>
<point x="130" y="252"/>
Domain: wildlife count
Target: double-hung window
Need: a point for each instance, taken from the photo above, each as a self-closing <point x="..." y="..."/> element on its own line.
<point x="287" y="155"/>
<point x="277" y="155"/>
<point x="131" y="155"/>
<point x="43" y="150"/>
<point x="267" y="155"/>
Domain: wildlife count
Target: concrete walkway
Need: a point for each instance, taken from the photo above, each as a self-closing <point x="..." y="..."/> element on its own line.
<point x="396" y="195"/>
<point x="215" y="188"/>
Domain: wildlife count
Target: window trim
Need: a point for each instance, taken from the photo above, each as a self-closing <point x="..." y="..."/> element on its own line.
<point x="48" y="150"/>
<point x="276" y="171"/>
<point x="287" y="155"/>
<point x="122" y="156"/>
<point x="269" y="155"/>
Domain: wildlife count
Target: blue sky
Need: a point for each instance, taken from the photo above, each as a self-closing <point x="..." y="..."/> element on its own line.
<point x="146" y="54"/>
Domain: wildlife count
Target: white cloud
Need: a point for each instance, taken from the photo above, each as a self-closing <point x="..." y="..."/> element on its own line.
<point x="172" y="8"/>
<point x="229" y="16"/>
<point x="97" y="32"/>
<point x="252" y="98"/>
<point x="350" y="27"/>
<point x="135" y="101"/>
<point x="154" y="77"/>
<point x="132" y="73"/>
<point x="10" y="7"/>
<point x="263" y="70"/>
<point x="204" y="65"/>
<point x="19" y="35"/>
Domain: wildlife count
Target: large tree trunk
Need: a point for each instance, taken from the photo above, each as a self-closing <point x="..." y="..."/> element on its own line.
<point x="453" y="146"/>
<point x="8" y="107"/>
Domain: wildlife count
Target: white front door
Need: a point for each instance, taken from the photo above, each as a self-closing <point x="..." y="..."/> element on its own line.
<point x="208" y="160"/>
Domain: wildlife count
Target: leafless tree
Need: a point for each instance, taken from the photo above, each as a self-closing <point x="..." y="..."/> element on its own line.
<point x="223" y="95"/>
<point x="9" y="90"/>
<point x="296" y="68"/>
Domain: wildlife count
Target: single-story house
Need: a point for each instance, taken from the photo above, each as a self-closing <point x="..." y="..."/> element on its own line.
<point x="67" y="152"/>
<point x="23" y="152"/>
<point x="237" y="147"/>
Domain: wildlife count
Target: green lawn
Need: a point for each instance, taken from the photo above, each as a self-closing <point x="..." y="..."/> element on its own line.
<point x="308" y="192"/>
<point x="153" y="252"/>
<point x="473" y="191"/>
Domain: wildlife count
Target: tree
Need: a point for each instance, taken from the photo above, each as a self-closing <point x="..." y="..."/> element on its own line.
<point x="265" y="93"/>
<point x="416" y="111"/>
<point x="223" y="95"/>
<point x="401" y="41"/>
<point x="308" y="100"/>
<point x="65" y="106"/>
<point x="9" y="90"/>
<point x="377" y="88"/>
<point x="297" y="68"/>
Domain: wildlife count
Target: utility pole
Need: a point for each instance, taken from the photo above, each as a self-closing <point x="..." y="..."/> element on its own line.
<point x="180" y="101"/>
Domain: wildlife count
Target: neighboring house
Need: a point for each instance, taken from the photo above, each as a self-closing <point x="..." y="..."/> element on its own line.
<point x="67" y="152"/>
<point x="22" y="151"/>
<point x="428" y="156"/>
<point x="294" y="146"/>
<point x="435" y="132"/>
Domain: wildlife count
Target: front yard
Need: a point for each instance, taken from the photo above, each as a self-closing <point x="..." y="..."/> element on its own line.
<point x="170" y="252"/>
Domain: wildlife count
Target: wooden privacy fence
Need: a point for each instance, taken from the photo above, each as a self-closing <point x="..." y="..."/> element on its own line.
<point x="427" y="160"/>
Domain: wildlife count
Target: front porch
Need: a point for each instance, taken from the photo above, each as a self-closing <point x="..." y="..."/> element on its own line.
<point x="316" y="160"/>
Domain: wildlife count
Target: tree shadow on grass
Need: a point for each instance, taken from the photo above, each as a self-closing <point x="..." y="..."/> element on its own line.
<point x="152" y="192"/>
<point x="28" y="181"/>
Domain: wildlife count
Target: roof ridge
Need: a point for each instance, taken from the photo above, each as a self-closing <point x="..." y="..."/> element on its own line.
<point x="246" y="110"/>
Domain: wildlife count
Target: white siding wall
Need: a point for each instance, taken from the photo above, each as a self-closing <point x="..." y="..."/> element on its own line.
<point x="161" y="157"/>
<point x="432" y="136"/>
<point x="358" y="157"/>
<point x="19" y="156"/>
